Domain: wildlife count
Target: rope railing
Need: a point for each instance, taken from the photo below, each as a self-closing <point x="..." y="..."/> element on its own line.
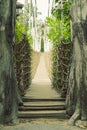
<point x="26" y="62"/>
<point x="58" y="68"/>
<point x="22" y="55"/>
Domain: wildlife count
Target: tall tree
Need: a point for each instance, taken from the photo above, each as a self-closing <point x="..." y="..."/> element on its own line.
<point x="26" y="13"/>
<point x="53" y="4"/>
<point x="35" y="8"/>
<point x="34" y="22"/>
<point x="8" y="87"/>
<point x="76" y="101"/>
<point x="48" y="8"/>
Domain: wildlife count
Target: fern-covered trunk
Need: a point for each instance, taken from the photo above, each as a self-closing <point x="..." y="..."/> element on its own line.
<point x="76" y="101"/>
<point x="8" y="88"/>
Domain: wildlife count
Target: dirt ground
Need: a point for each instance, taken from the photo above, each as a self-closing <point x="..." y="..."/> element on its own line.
<point x="42" y="124"/>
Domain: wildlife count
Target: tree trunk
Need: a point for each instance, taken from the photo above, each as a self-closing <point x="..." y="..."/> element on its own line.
<point x="8" y="86"/>
<point x="76" y="101"/>
<point x="48" y="8"/>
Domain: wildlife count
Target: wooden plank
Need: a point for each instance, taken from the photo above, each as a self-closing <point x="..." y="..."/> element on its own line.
<point x="60" y="115"/>
<point x="27" y="99"/>
<point x="37" y="108"/>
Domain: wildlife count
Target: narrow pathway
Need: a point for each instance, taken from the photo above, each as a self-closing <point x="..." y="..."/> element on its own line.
<point x="41" y="101"/>
<point x="41" y="84"/>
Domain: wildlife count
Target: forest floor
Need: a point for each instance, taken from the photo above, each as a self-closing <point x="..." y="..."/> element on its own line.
<point x="41" y="88"/>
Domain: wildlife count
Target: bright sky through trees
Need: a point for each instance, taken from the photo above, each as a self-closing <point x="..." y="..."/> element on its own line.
<point x="42" y="7"/>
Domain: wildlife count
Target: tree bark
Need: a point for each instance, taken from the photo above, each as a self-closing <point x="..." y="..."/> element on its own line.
<point x="76" y="101"/>
<point x="8" y="86"/>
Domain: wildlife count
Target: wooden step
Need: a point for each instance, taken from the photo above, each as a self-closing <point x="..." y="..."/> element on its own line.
<point x="37" y="108"/>
<point x="43" y="104"/>
<point x="43" y="114"/>
<point x="27" y="99"/>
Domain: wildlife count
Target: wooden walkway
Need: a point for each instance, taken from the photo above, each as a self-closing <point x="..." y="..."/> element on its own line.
<point x="41" y="84"/>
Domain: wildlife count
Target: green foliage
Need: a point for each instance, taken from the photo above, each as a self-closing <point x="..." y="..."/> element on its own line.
<point x="29" y="38"/>
<point x="62" y="9"/>
<point x="54" y="30"/>
<point x="42" y="45"/>
<point x="19" y="31"/>
<point x="67" y="31"/>
<point x="59" y="24"/>
<point x="59" y="30"/>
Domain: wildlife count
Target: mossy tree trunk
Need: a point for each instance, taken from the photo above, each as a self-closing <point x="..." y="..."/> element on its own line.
<point x="8" y="88"/>
<point x="76" y="101"/>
